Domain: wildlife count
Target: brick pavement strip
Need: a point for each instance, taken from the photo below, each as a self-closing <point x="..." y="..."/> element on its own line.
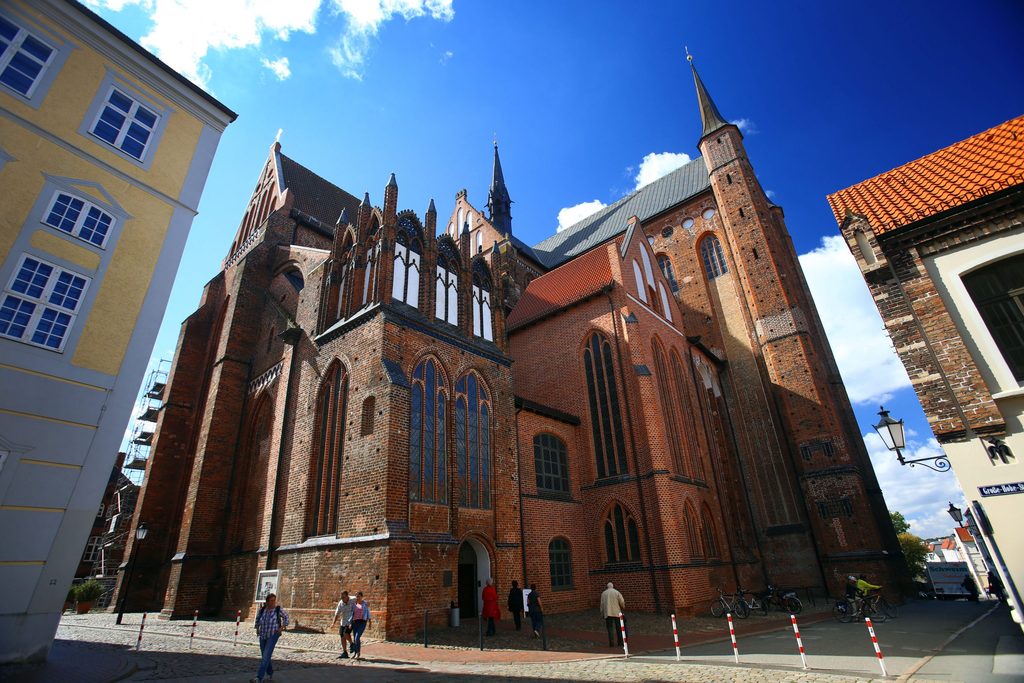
<point x="311" y="657"/>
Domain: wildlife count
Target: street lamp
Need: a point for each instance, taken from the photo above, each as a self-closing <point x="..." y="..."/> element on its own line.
<point x="957" y="514"/>
<point x="891" y="432"/>
<point x="140" y="535"/>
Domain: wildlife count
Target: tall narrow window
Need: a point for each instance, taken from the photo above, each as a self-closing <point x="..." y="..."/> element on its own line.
<point x="328" y="450"/>
<point x="603" y="397"/>
<point x="714" y="258"/>
<point x="670" y="274"/>
<point x="428" y="445"/>
<point x="446" y="288"/>
<point x="482" y="324"/>
<point x="551" y="464"/>
<point x="40" y="303"/>
<point x="621" y="536"/>
<point x="694" y="461"/>
<point x="473" y="441"/>
<point x="708" y="529"/>
<point x="693" y="540"/>
<point x="560" y="563"/>
<point x="23" y="58"/>
<point x="370" y="273"/>
<point x="671" y="411"/>
<point x="405" y="286"/>
<point x="998" y="292"/>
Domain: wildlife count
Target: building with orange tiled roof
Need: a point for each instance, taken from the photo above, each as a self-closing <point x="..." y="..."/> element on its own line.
<point x="940" y="242"/>
<point x="409" y="406"/>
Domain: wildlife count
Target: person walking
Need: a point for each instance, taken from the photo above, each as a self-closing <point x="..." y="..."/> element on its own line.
<point x="995" y="586"/>
<point x="515" y="604"/>
<point x="971" y="587"/>
<point x="361" y="618"/>
<point x="612" y="605"/>
<point x="536" y="611"/>
<point x="270" y="622"/>
<point x="344" y="612"/>
<point x="490" y="611"/>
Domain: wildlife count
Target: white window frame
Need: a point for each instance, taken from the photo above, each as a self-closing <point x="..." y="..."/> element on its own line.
<point x="92" y="549"/>
<point x="42" y="302"/>
<point x="15" y="47"/>
<point x="76" y="231"/>
<point x="154" y="130"/>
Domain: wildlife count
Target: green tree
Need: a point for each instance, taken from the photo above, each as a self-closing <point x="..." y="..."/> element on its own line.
<point x="899" y="522"/>
<point x="914" y="552"/>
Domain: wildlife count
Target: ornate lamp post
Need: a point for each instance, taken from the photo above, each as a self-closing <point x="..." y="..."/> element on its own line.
<point x="956" y="513"/>
<point x="140" y="535"/>
<point x="892" y="435"/>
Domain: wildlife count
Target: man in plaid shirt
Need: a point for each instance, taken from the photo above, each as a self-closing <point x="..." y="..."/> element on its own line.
<point x="270" y="621"/>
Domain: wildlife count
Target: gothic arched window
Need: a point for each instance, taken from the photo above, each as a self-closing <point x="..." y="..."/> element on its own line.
<point x="671" y="410"/>
<point x="668" y="271"/>
<point x="605" y="418"/>
<point x="428" y="444"/>
<point x="344" y="275"/>
<point x="551" y="463"/>
<point x="621" y="536"/>
<point x="370" y="273"/>
<point x="405" y="284"/>
<point x="325" y="473"/>
<point x="713" y="256"/>
<point x="481" y="303"/>
<point x="473" y="441"/>
<point x="560" y="564"/>
<point x="695" y="464"/>
<point x="446" y="297"/>
<point x="708" y="532"/>
<point x="693" y="540"/>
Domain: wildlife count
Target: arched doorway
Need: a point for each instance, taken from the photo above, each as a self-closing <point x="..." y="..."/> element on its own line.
<point x="474" y="569"/>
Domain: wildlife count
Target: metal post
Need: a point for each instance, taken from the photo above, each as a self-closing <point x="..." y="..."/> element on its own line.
<point x="625" y="642"/>
<point x="675" y="636"/>
<point x="195" y="618"/>
<point x="127" y="581"/>
<point x="238" y="620"/>
<point x="138" y="643"/>
<point x="480" y="628"/>
<point x="874" y="641"/>
<point x="544" y="636"/>
<point x="732" y="635"/>
<point x="425" y="642"/>
<point x="799" y="642"/>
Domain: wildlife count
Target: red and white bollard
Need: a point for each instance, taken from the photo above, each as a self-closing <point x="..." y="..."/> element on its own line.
<point x="732" y="634"/>
<point x="138" y="643"/>
<point x="675" y="636"/>
<point x="195" y="618"/>
<point x="874" y="641"/>
<point x="799" y="642"/>
<point x="622" y="627"/>
<point x="238" y="620"/>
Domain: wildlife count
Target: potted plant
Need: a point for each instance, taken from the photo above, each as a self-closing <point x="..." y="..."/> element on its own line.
<point x="85" y="594"/>
<point x="69" y="601"/>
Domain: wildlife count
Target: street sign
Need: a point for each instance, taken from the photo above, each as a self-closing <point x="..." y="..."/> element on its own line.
<point x="1001" y="489"/>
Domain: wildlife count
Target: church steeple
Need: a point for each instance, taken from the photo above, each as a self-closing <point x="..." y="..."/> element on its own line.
<point x="710" y="117"/>
<point x="499" y="204"/>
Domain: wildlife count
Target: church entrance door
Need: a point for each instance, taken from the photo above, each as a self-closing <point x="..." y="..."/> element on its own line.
<point x="474" y="568"/>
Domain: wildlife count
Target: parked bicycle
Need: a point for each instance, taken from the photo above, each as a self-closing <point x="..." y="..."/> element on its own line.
<point x="729" y="603"/>
<point x="784" y="600"/>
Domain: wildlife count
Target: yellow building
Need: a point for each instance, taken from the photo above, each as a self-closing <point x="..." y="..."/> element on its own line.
<point x="104" y="152"/>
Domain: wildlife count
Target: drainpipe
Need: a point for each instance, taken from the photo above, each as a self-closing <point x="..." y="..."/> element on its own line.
<point x="636" y="457"/>
<point x="522" y="523"/>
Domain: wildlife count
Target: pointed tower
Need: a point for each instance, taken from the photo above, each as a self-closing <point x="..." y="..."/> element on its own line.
<point x="820" y="475"/>
<point x="499" y="204"/>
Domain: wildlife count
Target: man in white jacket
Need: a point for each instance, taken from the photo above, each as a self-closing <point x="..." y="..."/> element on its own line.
<point x="612" y="605"/>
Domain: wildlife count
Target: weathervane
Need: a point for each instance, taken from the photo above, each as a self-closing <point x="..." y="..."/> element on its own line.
<point x="689" y="57"/>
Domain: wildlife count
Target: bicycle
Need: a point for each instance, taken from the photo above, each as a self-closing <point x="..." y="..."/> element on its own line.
<point x="786" y="601"/>
<point x="755" y="603"/>
<point x="734" y="604"/>
<point x="873" y="606"/>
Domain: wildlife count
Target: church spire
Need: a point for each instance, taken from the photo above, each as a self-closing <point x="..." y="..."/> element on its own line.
<point x="710" y="117"/>
<point x="499" y="204"/>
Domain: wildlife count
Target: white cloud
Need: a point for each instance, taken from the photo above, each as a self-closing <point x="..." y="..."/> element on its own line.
<point x="571" y="215"/>
<point x="921" y="494"/>
<point x="364" y="19"/>
<point x="279" y="67"/>
<point x="446" y="56"/>
<point x="869" y="365"/>
<point x="746" y="126"/>
<point x="184" y="31"/>
<point x="656" y="165"/>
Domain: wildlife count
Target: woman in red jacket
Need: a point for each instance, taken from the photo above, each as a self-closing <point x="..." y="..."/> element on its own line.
<point x="491" y="611"/>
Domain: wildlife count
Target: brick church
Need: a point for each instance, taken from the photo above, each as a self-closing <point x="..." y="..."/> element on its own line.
<point x="373" y="399"/>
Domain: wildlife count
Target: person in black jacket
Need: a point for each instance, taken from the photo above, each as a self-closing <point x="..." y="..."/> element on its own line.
<point x="515" y="604"/>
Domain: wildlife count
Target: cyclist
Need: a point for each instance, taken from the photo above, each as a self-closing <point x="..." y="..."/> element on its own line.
<point x="853" y="597"/>
<point x="863" y="587"/>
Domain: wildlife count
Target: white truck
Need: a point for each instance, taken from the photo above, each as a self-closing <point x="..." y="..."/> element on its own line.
<point x="947" y="579"/>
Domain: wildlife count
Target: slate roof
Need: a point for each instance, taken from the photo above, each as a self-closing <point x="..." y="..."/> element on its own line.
<point x="315" y="196"/>
<point x="981" y="165"/>
<point x="572" y="282"/>
<point x="678" y="186"/>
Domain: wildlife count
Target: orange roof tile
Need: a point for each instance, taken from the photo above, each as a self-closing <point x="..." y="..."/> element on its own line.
<point x="965" y="534"/>
<point x="579" y="278"/>
<point x="973" y="168"/>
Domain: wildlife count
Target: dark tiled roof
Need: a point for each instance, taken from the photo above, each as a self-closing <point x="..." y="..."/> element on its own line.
<point x="650" y="200"/>
<point x="314" y="195"/>
<point x="967" y="170"/>
<point x="525" y="249"/>
<point x="565" y="285"/>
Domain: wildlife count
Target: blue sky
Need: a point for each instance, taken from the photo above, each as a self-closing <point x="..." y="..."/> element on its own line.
<point x="587" y="100"/>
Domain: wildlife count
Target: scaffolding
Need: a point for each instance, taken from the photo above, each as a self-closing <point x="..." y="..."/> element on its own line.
<point x="150" y="402"/>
